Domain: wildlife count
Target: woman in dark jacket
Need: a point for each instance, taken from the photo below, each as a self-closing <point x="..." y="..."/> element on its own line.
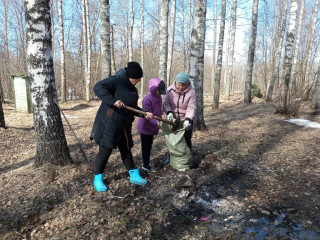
<point x="113" y="123"/>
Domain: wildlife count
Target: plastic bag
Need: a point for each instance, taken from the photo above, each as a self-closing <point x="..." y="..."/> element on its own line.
<point x="180" y="155"/>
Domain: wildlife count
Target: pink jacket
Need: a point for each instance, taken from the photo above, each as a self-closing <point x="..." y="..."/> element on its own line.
<point x="183" y="104"/>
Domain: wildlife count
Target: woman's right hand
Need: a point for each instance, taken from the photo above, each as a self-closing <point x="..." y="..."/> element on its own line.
<point x="119" y="104"/>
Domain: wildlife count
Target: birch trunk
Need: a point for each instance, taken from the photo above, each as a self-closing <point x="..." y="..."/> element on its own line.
<point x="113" y="61"/>
<point x="142" y="47"/>
<point x="189" y="36"/>
<point x="296" y="45"/>
<point x="88" y="76"/>
<point x="51" y="142"/>
<point x="197" y="59"/>
<point x="216" y="94"/>
<point x="62" y="56"/>
<point x="214" y="48"/>
<point x="278" y="45"/>
<point x="85" y="44"/>
<point x="252" y="46"/>
<point x="163" y="40"/>
<point x="105" y="39"/>
<point x="184" y="48"/>
<point x="231" y="49"/>
<point x="287" y="64"/>
<point x="171" y="39"/>
<point x="316" y="94"/>
<point x="311" y="36"/>
<point x="130" y="31"/>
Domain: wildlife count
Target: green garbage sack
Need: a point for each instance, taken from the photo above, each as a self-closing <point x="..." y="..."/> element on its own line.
<point x="180" y="155"/>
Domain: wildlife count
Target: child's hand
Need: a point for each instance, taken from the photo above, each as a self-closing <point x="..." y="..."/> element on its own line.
<point x="149" y="115"/>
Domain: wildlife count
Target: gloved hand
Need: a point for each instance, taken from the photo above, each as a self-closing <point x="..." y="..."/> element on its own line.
<point x="170" y="117"/>
<point x="186" y="124"/>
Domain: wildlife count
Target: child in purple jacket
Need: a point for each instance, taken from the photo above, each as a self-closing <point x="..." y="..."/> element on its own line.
<point x="152" y="102"/>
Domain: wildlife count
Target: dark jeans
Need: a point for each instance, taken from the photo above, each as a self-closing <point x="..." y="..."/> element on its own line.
<point x="104" y="154"/>
<point x="146" y="146"/>
<point x="187" y="137"/>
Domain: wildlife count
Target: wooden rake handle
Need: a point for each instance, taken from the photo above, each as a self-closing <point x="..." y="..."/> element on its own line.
<point x="145" y="114"/>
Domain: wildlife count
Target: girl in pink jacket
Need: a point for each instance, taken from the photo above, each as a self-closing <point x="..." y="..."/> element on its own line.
<point x="180" y="102"/>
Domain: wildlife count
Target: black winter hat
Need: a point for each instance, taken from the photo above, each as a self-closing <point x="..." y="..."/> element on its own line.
<point x="134" y="70"/>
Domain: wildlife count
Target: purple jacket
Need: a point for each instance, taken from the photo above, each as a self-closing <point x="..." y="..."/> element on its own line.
<point x="182" y="105"/>
<point x="151" y="103"/>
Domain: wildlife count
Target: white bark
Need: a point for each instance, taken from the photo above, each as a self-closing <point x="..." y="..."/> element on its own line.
<point x="171" y="39"/>
<point x="197" y="59"/>
<point x="311" y="36"/>
<point x="88" y="75"/>
<point x="296" y="45"/>
<point x="105" y="39"/>
<point x="62" y="55"/>
<point x="163" y="40"/>
<point x="142" y="47"/>
<point x="131" y="31"/>
<point x="231" y="49"/>
<point x="288" y="55"/>
<point x="214" y="46"/>
<point x="51" y="142"/>
<point x="251" y="52"/>
<point x="216" y="94"/>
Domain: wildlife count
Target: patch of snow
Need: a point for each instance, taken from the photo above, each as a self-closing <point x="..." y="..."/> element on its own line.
<point x="304" y="123"/>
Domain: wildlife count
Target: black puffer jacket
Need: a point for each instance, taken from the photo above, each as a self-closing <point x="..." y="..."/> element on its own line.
<point x="111" y="122"/>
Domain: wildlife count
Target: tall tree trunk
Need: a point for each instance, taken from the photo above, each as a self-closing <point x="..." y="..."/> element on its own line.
<point x="62" y="57"/>
<point x="131" y="31"/>
<point x="142" y="47"/>
<point x="85" y="46"/>
<point x="296" y="45"/>
<point x="216" y="94"/>
<point x="2" y="119"/>
<point x="309" y="47"/>
<point x="188" y="47"/>
<point x="252" y="46"/>
<point x="6" y="10"/>
<point x="287" y="64"/>
<point x="197" y="59"/>
<point x="183" y="39"/>
<point x="171" y="39"/>
<point x="214" y="46"/>
<point x="51" y="141"/>
<point x="316" y="94"/>
<point x="113" y="61"/>
<point x="105" y="39"/>
<point x="88" y="77"/>
<point x="163" y="40"/>
<point x="231" y="50"/>
<point x="282" y="19"/>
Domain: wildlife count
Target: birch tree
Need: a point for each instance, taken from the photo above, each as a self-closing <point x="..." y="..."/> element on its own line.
<point x="62" y="56"/>
<point x="282" y="19"/>
<point x="171" y="39"/>
<point x="131" y="31"/>
<point x="197" y="58"/>
<point x="287" y="64"/>
<point x="296" y="45"/>
<point x="105" y="39"/>
<point x="51" y="142"/>
<point x="216" y="93"/>
<point x="309" y="47"/>
<point x="252" y="46"/>
<point x="142" y="47"/>
<point x="231" y="50"/>
<point x="214" y="46"/>
<point x="163" y="39"/>
<point x="113" y="62"/>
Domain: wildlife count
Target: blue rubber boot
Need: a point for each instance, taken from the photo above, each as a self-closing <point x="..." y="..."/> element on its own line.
<point x="136" y="178"/>
<point x="98" y="183"/>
